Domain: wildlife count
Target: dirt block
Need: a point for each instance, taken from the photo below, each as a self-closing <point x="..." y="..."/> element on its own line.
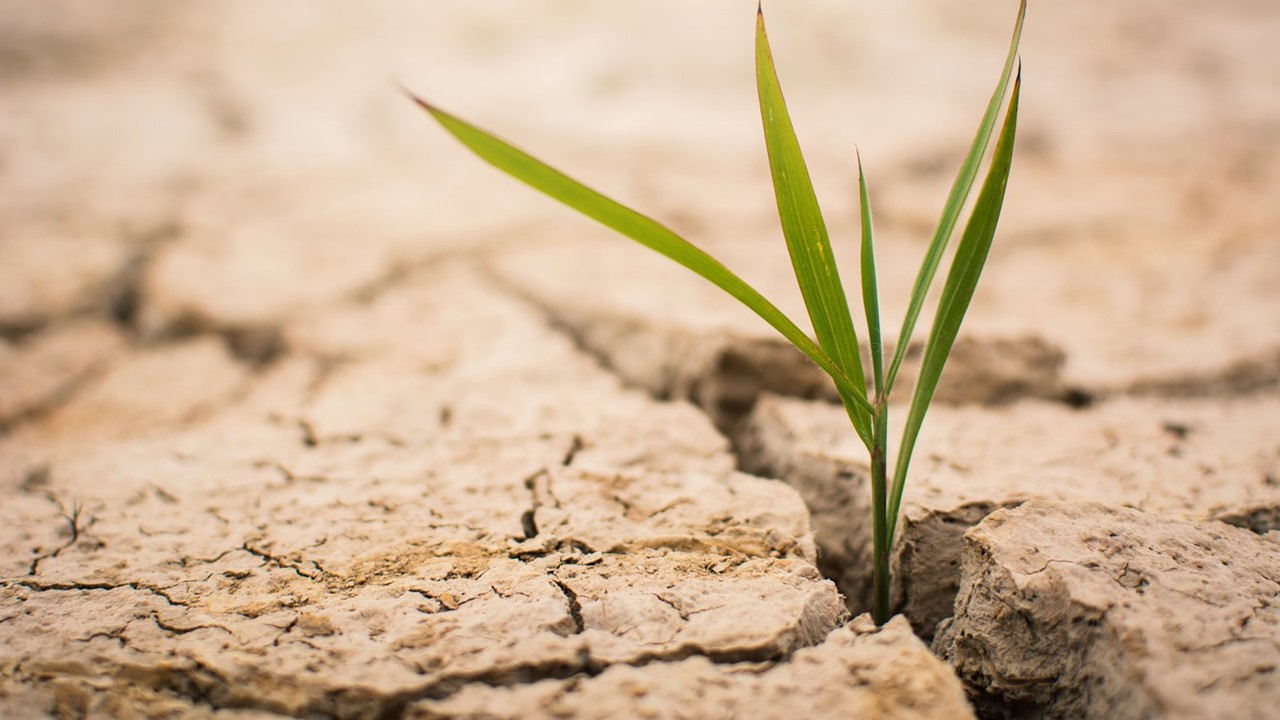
<point x="1080" y="610"/>
<point x="859" y="671"/>
<point x="801" y="444"/>
<point x="612" y="512"/>
<point x="240" y="566"/>
<point x="1199" y="458"/>
<point x="383" y="574"/>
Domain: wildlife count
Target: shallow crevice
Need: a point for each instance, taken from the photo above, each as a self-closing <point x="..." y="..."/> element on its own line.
<point x="1078" y="398"/>
<point x="283" y="563"/>
<point x="75" y="586"/>
<point x="75" y="521"/>
<point x="173" y="629"/>
<point x="494" y="280"/>
<point x="529" y="518"/>
<point x="256" y="345"/>
<point x="15" y="330"/>
<point x="585" y="666"/>
<point x="470" y="248"/>
<point x="1241" y="377"/>
<point x="576" y="446"/>
<point x="1261" y="519"/>
<point x="123" y="295"/>
<point x="724" y="374"/>
<point x="118" y="297"/>
<point x="207" y="688"/>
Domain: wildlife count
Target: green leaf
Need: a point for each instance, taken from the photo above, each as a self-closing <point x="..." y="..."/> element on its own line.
<point x="647" y="232"/>
<point x="806" y="235"/>
<point x="955" y="203"/>
<point x="962" y="278"/>
<point x="870" y="289"/>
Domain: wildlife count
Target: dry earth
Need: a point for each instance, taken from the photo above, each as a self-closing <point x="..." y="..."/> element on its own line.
<point x="304" y="412"/>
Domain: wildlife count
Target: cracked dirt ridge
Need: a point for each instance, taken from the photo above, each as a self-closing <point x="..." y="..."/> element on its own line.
<point x="318" y="552"/>
<point x="1079" y="610"/>
<point x="1209" y="458"/>
<point x="726" y="363"/>
<point x="563" y="451"/>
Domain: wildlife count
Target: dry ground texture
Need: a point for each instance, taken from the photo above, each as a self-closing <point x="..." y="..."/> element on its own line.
<point x="304" y="412"/>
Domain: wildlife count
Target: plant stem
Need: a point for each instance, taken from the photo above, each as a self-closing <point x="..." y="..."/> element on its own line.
<point x="880" y="512"/>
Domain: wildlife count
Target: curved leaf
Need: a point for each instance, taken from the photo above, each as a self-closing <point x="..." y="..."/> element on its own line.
<point x="806" y="235"/>
<point x="540" y="176"/>
<point x="870" y="286"/>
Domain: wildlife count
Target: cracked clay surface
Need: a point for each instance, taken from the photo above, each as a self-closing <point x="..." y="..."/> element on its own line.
<point x="1085" y="611"/>
<point x="321" y="548"/>
<point x="304" y="412"/>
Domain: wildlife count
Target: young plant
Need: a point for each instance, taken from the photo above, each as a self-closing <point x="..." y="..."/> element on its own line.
<point x="836" y="349"/>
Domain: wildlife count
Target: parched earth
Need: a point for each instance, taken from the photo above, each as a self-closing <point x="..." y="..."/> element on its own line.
<point x="306" y="413"/>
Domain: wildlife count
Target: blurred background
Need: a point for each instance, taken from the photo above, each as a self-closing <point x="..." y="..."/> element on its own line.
<point x="181" y="168"/>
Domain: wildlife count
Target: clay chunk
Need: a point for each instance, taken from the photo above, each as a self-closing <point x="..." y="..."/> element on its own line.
<point x="1074" y="609"/>
<point x="858" y="672"/>
<point x="1208" y="458"/>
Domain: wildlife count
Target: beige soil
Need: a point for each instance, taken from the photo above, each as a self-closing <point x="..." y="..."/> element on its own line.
<point x="306" y="412"/>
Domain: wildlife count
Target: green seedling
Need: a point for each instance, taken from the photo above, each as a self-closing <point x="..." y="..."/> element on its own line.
<point x="834" y="347"/>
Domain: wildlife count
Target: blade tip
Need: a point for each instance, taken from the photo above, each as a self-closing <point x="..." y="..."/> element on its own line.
<point x="415" y="98"/>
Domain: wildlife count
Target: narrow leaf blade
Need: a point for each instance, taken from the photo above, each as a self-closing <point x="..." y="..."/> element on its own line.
<point x="806" y="235"/>
<point x="542" y="177"/>
<point x="870" y="286"/>
<point x="957" y="292"/>
<point x="956" y="199"/>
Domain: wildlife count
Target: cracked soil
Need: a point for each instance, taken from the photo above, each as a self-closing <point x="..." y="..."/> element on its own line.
<point x="306" y="413"/>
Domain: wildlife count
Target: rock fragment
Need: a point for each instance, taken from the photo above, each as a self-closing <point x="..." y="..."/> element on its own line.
<point x="1079" y="610"/>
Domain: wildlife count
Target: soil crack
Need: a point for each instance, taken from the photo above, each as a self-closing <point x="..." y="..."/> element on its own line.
<point x="575" y="607"/>
<point x="73" y="517"/>
<point x="74" y="586"/>
<point x="176" y="630"/>
<point x="284" y="564"/>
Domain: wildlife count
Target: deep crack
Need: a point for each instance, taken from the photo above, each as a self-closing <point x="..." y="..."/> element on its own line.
<point x="575" y="607"/>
